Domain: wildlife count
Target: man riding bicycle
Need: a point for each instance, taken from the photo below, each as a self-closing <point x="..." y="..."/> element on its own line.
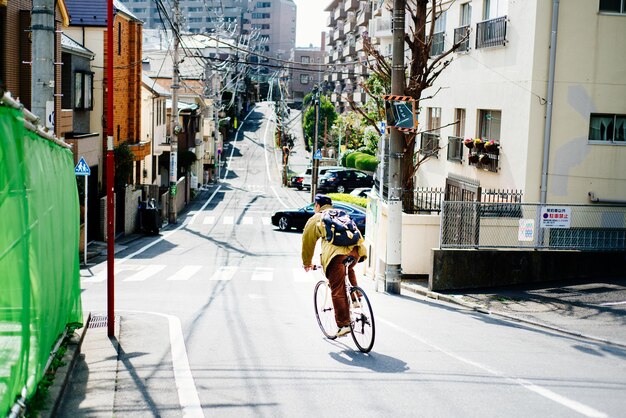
<point x="332" y="258"/>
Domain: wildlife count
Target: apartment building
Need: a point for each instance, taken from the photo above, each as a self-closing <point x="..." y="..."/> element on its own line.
<point x="305" y="72"/>
<point x="496" y="89"/>
<point x="348" y="21"/>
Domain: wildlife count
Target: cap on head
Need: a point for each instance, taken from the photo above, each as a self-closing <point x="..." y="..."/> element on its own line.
<point x="322" y="200"/>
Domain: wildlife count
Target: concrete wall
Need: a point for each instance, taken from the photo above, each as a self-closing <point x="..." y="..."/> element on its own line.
<point x="131" y="209"/>
<point x="465" y="269"/>
<point x="420" y="234"/>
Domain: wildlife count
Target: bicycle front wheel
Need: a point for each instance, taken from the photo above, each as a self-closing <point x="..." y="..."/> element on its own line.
<point x="362" y="324"/>
<point x="324" y="309"/>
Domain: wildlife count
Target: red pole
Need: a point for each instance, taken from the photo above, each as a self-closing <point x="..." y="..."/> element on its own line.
<point x="110" y="167"/>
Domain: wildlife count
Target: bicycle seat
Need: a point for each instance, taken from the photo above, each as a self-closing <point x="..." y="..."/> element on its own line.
<point x="349" y="260"/>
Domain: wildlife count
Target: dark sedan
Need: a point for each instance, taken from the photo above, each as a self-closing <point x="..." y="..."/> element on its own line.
<point x="296" y="218"/>
<point x="344" y="181"/>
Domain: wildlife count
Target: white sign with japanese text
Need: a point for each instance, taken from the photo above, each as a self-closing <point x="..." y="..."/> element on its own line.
<point x="526" y="231"/>
<point x="556" y="217"/>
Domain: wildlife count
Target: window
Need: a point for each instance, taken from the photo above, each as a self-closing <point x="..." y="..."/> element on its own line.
<point x="613" y="6"/>
<point x="607" y="128"/>
<point x="437" y="45"/>
<point x="434" y="119"/>
<point x="83" y="90"/>
<point x="459" y="118"/>
<point x="489" y="124"/>
<point x="119" y="39"/>
<point x="304" y="79"/>
<point x="305" y="59"/>
<point x="263" y="4"/>
<point x="466" y="14"/>
<point x="494" y="8"/>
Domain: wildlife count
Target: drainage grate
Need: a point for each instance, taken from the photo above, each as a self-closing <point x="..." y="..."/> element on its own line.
<point x="98" y="321"/>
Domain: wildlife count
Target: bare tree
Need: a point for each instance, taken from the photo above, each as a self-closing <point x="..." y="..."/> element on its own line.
<point x="422" y="71"/>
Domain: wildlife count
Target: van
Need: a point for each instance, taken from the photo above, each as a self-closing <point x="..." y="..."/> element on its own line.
<point x="306" y="178"/>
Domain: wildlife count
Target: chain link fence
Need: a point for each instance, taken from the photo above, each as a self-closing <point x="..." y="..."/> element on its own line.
<point x="532" y="226"/>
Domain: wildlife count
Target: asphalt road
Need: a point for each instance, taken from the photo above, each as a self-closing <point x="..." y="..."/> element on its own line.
<point x="217" y="320"/>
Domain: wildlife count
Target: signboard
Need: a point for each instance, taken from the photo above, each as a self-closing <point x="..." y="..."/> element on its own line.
<point x="401" y="112"/>
<point x="317" y="155"/>
<point x="526" y="230"/>
<point x="173" y="165"/>
<point x="82" y="169"/>
<point x="556" y="217"/>
<point x="50" y="115"/>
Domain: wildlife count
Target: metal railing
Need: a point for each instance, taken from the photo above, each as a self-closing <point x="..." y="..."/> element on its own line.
<point x="429" y="199"/>
<point x="532" y="226"/>
<point x="436" y="47"/>
<point x="429" y="144"/>
<point x="491" y="32"/>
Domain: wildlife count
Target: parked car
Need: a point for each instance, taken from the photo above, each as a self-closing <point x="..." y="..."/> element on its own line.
<point x="296" y="181"/>
<point x="342" y="181"/>
<point x="361" y="191"/>
<point x="306" y="181"/>
<point x="296" y="218"/>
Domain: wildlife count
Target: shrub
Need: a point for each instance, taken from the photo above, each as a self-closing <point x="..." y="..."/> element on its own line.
<point x="348" y="198"/>
<point x="344" y="157"/>
<point x="366" y="162"/>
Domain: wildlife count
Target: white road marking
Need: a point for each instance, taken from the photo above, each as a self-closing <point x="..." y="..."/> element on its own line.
<point x="613" y="303"/>
<point x="247" y="220"/>
<point x="228" y="220"/>
<point x="185" y="273"/>
<point x="263" y="274"/>
<point x="102" y="275"/>
<point x="224" y="273"/>
<point x="546" y="393"/>
<point x="209" y="220"/>
<point x="266" y="221"/>
<point x="185" y="385"/>
<point x="145" y="273"/>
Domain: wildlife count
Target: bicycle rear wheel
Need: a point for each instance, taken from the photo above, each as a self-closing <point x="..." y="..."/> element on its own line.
<point x="324" y="309"/>
<point x="362" y="320"/>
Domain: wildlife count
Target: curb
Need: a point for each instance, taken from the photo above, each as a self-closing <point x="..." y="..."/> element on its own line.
<point x="63" y="373"/>
<point x="483" y="310"/>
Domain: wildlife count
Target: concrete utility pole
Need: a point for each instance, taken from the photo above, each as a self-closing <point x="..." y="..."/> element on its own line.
<point x="174" y="126"/>
<point x="393" y="272"/>
<point x="42" y="84"/>
<point x="316" y="162"/>
<point x="110" y="178"/>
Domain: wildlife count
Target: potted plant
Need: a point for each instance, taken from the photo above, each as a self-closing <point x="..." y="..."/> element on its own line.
<point x="484" y="159"/>
<point x="473" y="158"/>
<point x="491" y="146"/>
<point x="469" y="143"/>
<point x="479" y="144"/>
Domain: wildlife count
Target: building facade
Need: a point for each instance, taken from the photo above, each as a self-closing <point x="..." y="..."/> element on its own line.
<point x="348" y="21"/>
<point x="305" y="72"/>
<point x="496" y="89"/>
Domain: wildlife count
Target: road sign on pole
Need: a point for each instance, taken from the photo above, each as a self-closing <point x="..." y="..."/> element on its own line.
<point x="317" y="155"/>
<point x="82" y="169"/>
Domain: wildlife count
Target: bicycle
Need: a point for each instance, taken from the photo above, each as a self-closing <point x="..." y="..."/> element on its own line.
<point x="362" y="326"/>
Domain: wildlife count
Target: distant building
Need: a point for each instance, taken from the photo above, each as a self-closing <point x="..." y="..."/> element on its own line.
<point x="305" y="72"/>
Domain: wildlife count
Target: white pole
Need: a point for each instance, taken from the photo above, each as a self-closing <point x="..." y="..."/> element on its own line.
<point x="85" y="219"/>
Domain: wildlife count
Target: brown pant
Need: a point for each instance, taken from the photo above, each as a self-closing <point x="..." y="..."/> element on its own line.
<point x="336" y="273"/>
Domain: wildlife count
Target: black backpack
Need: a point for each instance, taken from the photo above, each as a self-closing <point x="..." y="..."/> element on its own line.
<point x="340" y="228"/>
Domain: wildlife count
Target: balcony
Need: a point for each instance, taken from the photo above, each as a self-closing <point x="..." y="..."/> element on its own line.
<point x="339" y="12"/>
<point x="491" y="33"/>
<point x="364" y="15"/>
<point x="360" y="70"/>
<point x="359" y="97"/>
<point x="327" y="59"/>
<point x="459" y="34"/>
<point x="351" y="5"/>
<point x="380" y="27"/>
<point x="331" y="21"/>
<point x="349" y="26"/>
<point x="349" y="51"/>
<point x="338" y="35"/>
<point x="337" y="54"/>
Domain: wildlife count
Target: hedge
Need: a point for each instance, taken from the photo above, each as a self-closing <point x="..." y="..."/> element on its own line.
<point x="348" y="198"/>
<point x="362" y="161"/>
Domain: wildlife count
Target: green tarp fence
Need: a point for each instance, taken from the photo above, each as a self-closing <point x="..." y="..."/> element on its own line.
<point x="39" y="260"/>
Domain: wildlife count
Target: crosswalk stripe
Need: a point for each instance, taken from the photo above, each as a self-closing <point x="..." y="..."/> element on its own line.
<point x="224" y="273"/>
<point x="266" y="221"/>
<point x="263" y="274"/>
<point x="209" y="220"/>
<point x="246" y="220"/>
<point x="185" y="273"/>
<point x="102" y="275"/>
<point x="145" y="273"/>
<point x="228" y="220"/>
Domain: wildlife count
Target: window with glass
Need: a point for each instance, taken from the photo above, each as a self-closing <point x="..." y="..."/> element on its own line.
<point x="304" y="79"/>
<point x="305" y="59"/>
<point x="466" y="14"/>
<point x="607" y="128"/>
<point x="83" y="90"/>
<point x="613" y="6"/>
<point x="489" y="124"/>
<point x="434" y="119"/>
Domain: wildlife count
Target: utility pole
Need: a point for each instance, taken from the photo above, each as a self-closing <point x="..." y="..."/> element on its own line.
<point x="393" y="272"/>
<point x="316" y="162"/>
<point x="42" y="84"/>
<point x="174" y="126"/>
<point x="110" y="178"/>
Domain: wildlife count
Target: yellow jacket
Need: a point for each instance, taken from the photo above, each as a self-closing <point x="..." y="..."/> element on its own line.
<point x="314" y="230"/>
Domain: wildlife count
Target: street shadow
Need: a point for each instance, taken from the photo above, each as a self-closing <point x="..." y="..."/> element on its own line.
<point x="376" y="362"/>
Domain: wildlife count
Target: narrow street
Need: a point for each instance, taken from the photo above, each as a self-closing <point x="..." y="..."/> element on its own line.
<point x="217" y="320"/>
